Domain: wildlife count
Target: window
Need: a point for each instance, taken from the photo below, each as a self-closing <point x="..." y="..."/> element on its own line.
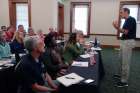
<point x="80" y="17"/>
<point x="134" y="12"/>
<point x="20" y="13"/>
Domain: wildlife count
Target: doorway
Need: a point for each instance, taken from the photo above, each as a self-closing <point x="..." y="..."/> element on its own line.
<point x="61" y="19"/>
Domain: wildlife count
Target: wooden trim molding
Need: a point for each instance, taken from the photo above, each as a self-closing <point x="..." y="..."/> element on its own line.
<point x="97" y="34"/>
<point x="12" y="11"/>
<point x="29" y="13"/>
<point x="129" y="2"/>
<point x="89" y="14"/>
<point x="66" y="33"/>
<point x="139" y="13"/>
<point x="104" y="34"/>
<point x="19" y="1"/>
<point x="110" y="46"/>
<point x="116" y="46"/>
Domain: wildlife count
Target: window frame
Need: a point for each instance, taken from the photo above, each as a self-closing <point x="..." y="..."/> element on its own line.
<point x="12" y="11"/>
<point x="122" y="3"/>
<point x="73" y="4"/>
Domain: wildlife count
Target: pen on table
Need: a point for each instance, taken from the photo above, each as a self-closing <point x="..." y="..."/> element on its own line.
<point x="69" y="77"/>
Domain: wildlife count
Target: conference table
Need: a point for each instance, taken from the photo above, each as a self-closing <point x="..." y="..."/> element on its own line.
<point x="7" y="78"/>
<point x="94" y="72"/>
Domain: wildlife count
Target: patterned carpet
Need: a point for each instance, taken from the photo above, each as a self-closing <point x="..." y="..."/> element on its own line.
<point x="111" y="65"/>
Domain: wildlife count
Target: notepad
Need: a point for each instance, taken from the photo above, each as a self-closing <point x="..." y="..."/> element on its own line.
<point x="85" y="56"/>
<point x="5" y="61"/>
<point x="97" y="48"/>
<point x="70" y="79"/>
<point x="80" y="64"/>
<point x="89" y="81"/>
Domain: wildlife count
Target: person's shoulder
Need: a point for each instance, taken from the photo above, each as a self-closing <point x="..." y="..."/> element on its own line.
<point x="7" y="44"/>
<point x="25" y="60"/>
<point x="132" y="18"/>
<point x="24" y="65"/>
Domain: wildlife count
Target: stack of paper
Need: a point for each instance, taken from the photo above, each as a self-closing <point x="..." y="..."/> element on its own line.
<point x="70" y="79"/>
<point x="96" y="48"/>
<point x="93" y="52"/>
<point x="85" y="56"/>
<point x="58" y="41"/>
<point x="80" y="64"/>
<point x="5" y="61"/>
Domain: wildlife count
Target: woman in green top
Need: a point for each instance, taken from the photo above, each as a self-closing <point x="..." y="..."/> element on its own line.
<point x="4" y="46"/>
<point x="72" y="50"/>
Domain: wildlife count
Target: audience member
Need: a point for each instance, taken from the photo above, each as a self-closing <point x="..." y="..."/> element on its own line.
<point x="32" y="76"/>
<point x="17" y="45"/>
<point x="31" y="32"/>
<point x="10" y="33"/>
<point x="19" y="30"/>
<point x="3" y="28"/>
<point x="52" y="58"/>
<point x="4" y="46"/>
<point x="41" y="34"/>
<point x="72" y="49"/>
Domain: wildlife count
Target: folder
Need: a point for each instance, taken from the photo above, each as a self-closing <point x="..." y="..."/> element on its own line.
<point x="70" y="79"/>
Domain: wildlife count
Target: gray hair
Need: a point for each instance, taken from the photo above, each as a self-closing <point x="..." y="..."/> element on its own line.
<point x="80" y="32"/>
<point x="31" y="42"/>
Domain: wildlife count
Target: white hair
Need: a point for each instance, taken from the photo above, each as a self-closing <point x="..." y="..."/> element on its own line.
<point x="31" y="42"/>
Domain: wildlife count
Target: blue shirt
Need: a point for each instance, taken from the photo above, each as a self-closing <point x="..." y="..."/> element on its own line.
<point x="4" y="50"/>
<point x="130" y="25"/>
<point x="29" y="72"/>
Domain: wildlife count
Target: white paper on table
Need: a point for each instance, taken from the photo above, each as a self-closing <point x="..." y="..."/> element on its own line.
<point x="96" y="48"/>
<point x="8" y="64"/>
<point x="70" y="79"/>
<point x="58" y="41"/>
<point x="6" y="61"/>
<point x="22" y="54"/>
<point x="93" y="52"/>
<point x="12" y="56"/>
<point x="80" y="64"/>
<point x="89" y="81"/>
<point x="85" y="55"/>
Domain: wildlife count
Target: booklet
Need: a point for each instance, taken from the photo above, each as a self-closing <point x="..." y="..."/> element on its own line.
<point x="70" y="79"/>
<point x="80" y="64"/>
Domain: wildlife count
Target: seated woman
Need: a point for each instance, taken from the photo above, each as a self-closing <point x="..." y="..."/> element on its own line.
<point x="17" y="46"/>
<point x="4" y="46"/>
<point x="52" y="58"/>
<point x="10" y="33"/>
<point x="41" y="34"/>
<point x="72" y="49"/>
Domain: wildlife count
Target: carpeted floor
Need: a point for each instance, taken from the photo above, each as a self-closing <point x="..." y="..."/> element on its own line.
<point x="111" y="65"/>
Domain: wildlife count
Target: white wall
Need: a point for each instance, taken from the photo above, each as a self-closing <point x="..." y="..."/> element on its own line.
<point x="102" y="15"/>
<point x="103" y="12"/>
<point x="4" y="13"/>
<point x="44" y="14"/>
